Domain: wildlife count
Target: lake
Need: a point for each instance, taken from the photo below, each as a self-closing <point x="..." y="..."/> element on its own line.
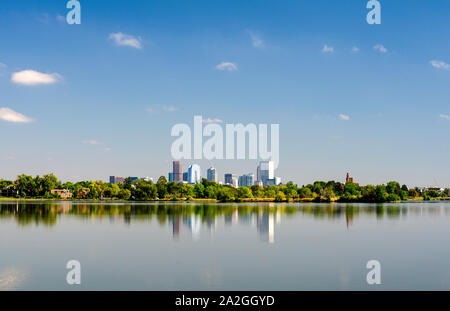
<point x="209" y="246"/>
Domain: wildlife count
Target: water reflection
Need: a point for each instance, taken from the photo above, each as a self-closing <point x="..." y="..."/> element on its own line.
<point x="192" y="219"/>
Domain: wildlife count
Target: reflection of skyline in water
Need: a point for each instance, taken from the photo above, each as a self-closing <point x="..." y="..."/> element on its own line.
<point x="194" y="220"/>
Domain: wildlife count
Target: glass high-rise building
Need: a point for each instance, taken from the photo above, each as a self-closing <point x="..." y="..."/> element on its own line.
<point x="246" y="180"/>
<point x="266" y="171"/>
<point x="211" y="174"/>
<point x="229" y="179"/>
<point x="194" y="176"/>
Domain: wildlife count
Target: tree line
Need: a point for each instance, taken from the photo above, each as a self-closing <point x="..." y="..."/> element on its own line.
<point x="141" y="190"/>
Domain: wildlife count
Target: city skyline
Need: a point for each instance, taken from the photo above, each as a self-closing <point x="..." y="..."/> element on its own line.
<point x="348" y="96"/>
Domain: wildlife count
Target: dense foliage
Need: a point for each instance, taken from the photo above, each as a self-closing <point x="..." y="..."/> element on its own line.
<point x="140" y="190"/>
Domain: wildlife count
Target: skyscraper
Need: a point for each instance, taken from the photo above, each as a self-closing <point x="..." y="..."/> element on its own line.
<point x="170" y="176"/>
<point x="177" y="172"/>
<point x="266" y="171"/>
<point x="229" y="179"/>
<point x="194" y="175"/>
<point x="246" y="180"/>
<point x="211" y="174"/>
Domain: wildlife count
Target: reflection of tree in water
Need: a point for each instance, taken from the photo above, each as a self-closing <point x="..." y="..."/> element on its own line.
<point x="47" y="213"/>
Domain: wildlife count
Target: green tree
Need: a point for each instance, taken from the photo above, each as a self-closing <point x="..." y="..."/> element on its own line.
<point x="199" y="190"/>
<point x="305" y="192"/>
<point x="244" y="193"/>
<point x="124" y="194"/>
<point x="280" y="196"/>
<point x="393" y="187"/>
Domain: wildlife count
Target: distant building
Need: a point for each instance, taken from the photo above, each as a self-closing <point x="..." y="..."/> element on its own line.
<point x="194" y="174"/>
<point x="177" y="171"/>
<point x="228" y="179"/>
<point x="246" y="180"/>
<point x="170" y="176"/>
<point x="259" y="183"/>
<point x="211" y="174"/>
<point x="266" y="172"/>
<point x="116" y="179"/>
<point x="185" y="176"/>
<point x="147" y="179"/>
<point x="134" y="178"/>
<point x="348" y="179"/>
<point x="63" y="193"/>
<point x="235" y="182"/>
<point x="277" y="181"/>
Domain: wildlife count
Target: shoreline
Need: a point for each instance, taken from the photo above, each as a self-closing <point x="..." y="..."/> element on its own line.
<point x="252" y="200"/>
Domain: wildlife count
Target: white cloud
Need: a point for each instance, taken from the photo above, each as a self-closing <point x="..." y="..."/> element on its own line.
<point x="344" y="117"/>
<point x="257" y="42"/>
<point x="440" y="64"/>
<point x="10" y="115"/>
<point x="355" y="49"/>
<point x="444" y="116"/>
<point x="32" y="77"/>
<point x="380" y="47"/>
<point x="60" y="18"/>
<point x="215" y="120"/>
<point x="122" y="39"/>
<point x="166" y="108"/>
<point x="327" y="49"/>
<point x="227" y="66"/>
<point x="169" y="108"/>
<point x="91" y="142"/>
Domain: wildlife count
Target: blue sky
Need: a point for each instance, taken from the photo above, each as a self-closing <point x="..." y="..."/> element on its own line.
<point x="119" y="81"/>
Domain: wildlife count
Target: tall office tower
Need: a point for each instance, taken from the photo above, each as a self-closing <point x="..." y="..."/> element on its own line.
<point x="277" y="181"/>
<point x="211" y="174"/>
<point x="177" y="173"/>
<point x="266" y="171"/>
<point x="185" y="177"/>
<point x="246" y="180"/>
<point x="194" y="175"/>
<point x="170" y="176"/>
<point x="229" y="179"/>
<point x="235" y="183"/>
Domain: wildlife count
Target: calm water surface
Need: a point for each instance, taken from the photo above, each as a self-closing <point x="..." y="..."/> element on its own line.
<point x="199" y="246"/>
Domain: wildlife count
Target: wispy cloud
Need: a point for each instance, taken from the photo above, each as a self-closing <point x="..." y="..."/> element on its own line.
<point x="257" y="42"/>
<point x="444" y="116"/>
<point x="215" y="120"/>
<point x="380" y="47"/>
<point x="32" y="77"/>
<point x="355" y="49"/>
<point x="2" y="68"/>
<point x="91" y="142"/>
<point x="344" y="117"/>
<point x="227" y="66"/>
<point x="327" y="49"/>
<point x="166" y="108"/>
<point x="60" y="18"/>
<point x="439" y="64"/>
<point x="122" y="39"/>
<point x="12" y="116"/>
